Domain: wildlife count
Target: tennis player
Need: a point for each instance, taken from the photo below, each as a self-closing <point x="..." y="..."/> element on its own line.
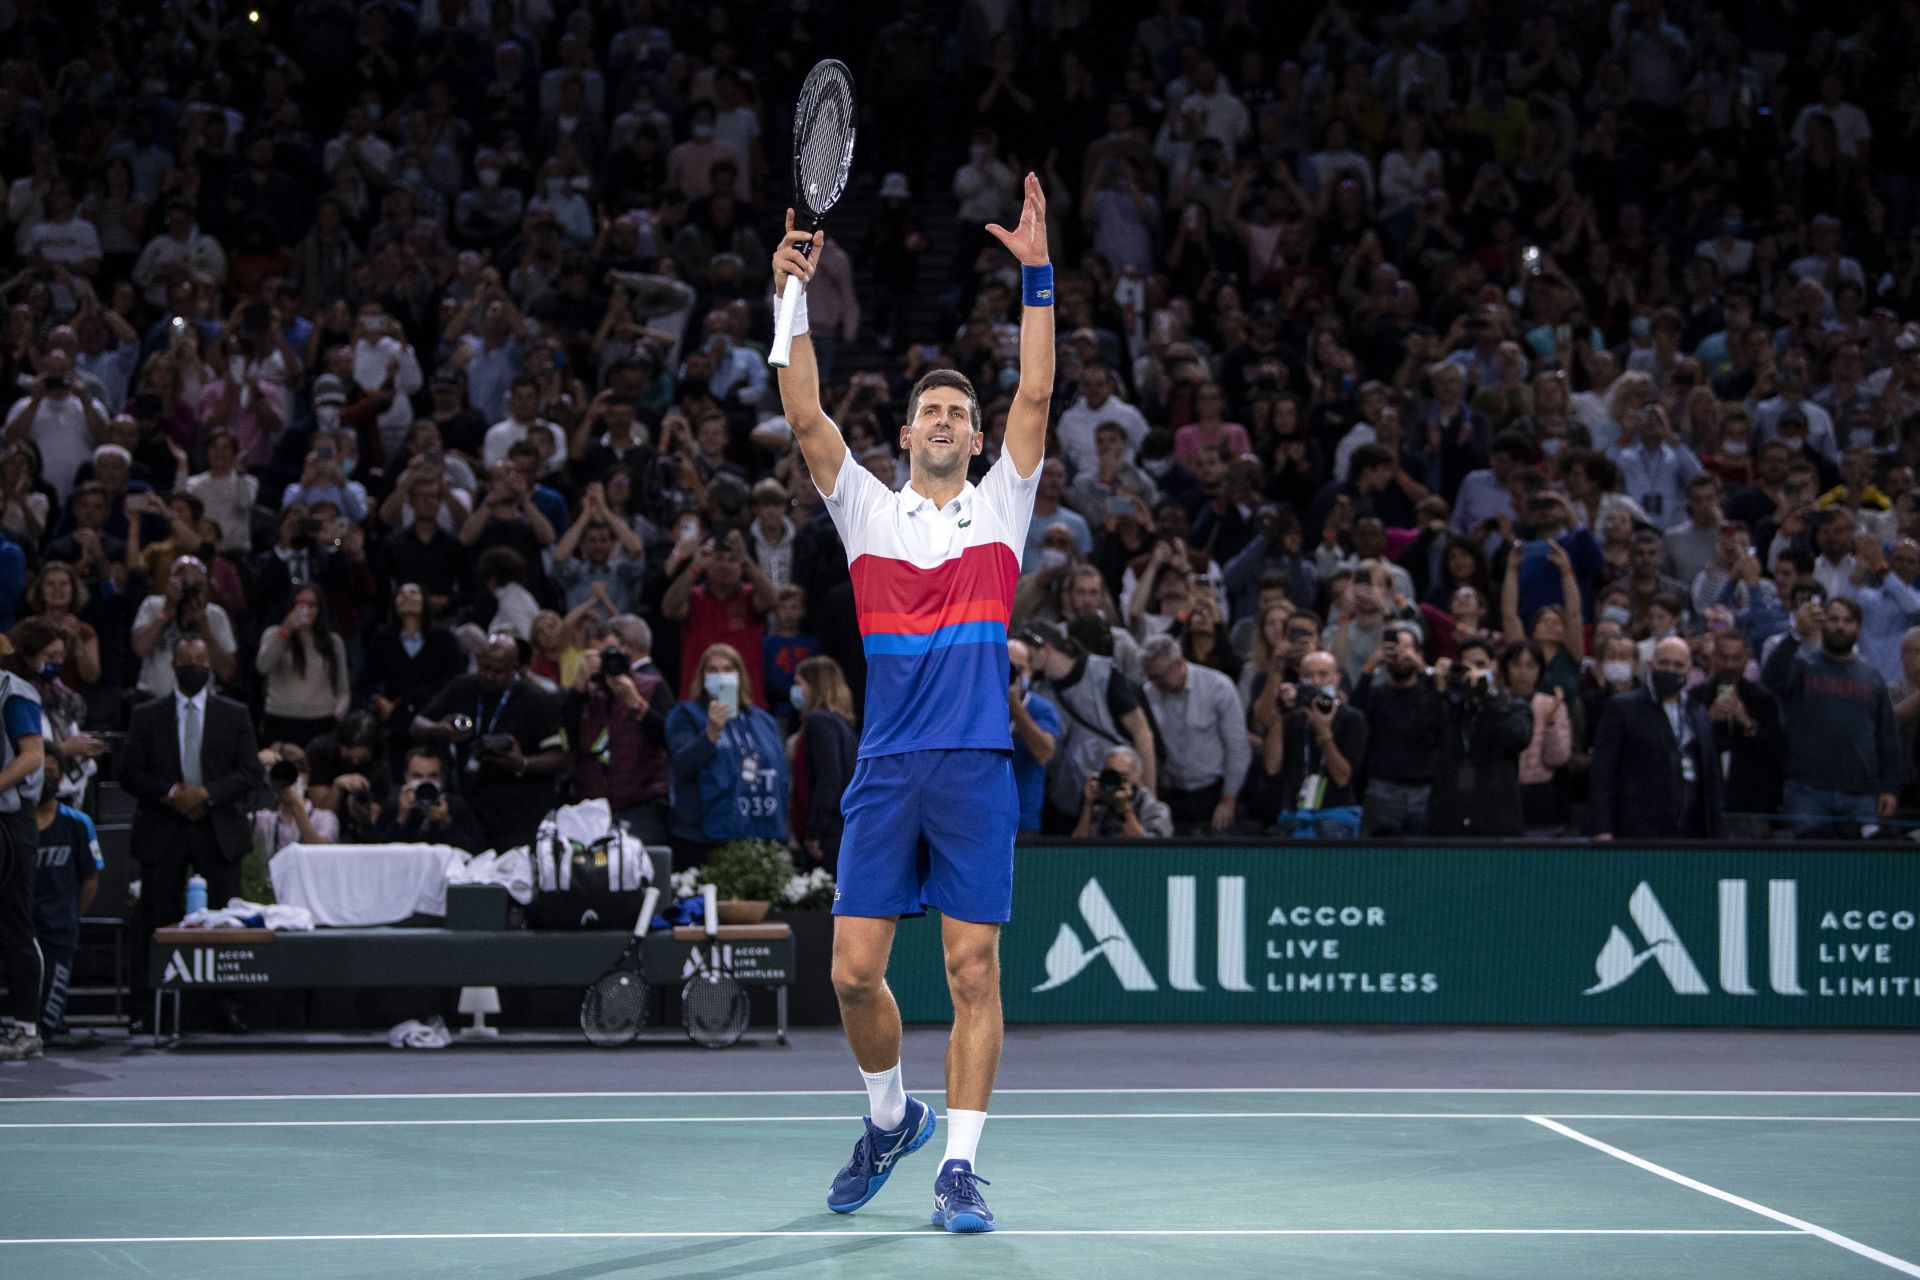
<point x="931" y="811"/>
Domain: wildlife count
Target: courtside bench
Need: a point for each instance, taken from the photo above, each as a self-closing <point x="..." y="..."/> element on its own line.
<point x="228" y="960"/>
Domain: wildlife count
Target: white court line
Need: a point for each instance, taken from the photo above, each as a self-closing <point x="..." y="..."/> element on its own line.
<point x="841" y="1093"/>
<point x="1659" y="1170"/>
<point x="999" y="1117"/>
<point x="897" y="1234"/>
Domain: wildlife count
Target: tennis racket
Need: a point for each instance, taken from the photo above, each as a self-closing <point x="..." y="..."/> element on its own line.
<point x="714" y="1005"/>
<point x="822" y="157"/>
<point x="615" y="1007"/>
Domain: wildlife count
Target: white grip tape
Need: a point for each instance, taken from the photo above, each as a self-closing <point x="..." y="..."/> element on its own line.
<point x="792" y="321"/>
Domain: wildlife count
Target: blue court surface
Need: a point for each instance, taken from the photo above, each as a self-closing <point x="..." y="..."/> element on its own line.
<point x="335" y="1176"/>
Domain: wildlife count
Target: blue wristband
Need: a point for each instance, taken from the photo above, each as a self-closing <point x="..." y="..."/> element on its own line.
<point x="1036" y="285"/>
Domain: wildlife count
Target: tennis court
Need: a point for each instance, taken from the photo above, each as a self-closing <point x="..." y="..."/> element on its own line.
<point x="1109" y="1181"/>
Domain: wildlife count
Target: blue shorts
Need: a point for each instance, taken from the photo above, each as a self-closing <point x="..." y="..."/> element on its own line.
<point x="929" y="829"/>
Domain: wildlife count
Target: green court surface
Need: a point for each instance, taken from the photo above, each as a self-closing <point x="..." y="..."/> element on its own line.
<point x="1107" y="1184"/>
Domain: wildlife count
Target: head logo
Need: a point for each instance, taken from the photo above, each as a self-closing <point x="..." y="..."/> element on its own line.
<point x="1069" y="955"/>
<point x="1620" y="959"/>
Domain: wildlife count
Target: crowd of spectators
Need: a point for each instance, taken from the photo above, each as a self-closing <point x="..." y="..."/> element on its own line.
<point x="1428" y="381"/>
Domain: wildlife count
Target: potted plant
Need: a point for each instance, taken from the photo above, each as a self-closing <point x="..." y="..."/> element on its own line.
<point x="750" y="876"/>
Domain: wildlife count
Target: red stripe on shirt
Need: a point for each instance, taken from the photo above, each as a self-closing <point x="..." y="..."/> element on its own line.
<point x="919" y="624"/>
<point x="936" y="597"/>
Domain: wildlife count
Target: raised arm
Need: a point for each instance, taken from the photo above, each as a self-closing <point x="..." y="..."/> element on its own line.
<point x="1026" y="440"/>
<point x="820" y="441"/>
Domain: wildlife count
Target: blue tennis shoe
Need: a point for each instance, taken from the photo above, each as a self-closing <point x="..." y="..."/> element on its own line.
<point x="957" y="1205"/>
<point x="875" y="1155"/>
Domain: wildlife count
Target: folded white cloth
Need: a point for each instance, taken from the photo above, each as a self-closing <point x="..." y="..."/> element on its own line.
<point x="347" y="885"/>
<point x="241" y="914"/>
<point x="414" y="1034"/>
<point x="513" y="870"/>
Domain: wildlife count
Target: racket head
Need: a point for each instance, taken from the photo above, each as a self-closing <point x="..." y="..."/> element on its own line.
<point x="714" y="1009"/>
<point x="823" y="128"/>
<point x="614" y="1010"/>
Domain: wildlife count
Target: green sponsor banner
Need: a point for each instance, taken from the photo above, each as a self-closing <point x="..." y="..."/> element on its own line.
<point x="1517" y="933"/>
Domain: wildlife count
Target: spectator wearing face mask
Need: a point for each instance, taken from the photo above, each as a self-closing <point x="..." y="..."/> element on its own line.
<point x="821" y="753"/>
<point x="1656" y="771"/>
<point x="1049" y="512"/>
<point x="1749" y="743"/>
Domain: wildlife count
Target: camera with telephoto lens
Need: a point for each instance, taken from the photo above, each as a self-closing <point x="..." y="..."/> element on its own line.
<point x="283" y="774"/>
<point x="426" y="793"/>
<point x="614" y="662"/>
<point x="1110" y="783"/>
<point x="1323" y="702"/>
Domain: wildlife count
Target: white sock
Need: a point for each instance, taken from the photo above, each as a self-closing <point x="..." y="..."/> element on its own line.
<point x="29" y="1028"/>
<point x="963" y="1135"/>
<point x="886" y="1097"/>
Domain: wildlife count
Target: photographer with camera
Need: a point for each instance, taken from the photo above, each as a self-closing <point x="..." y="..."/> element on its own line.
<point x="1403" y="737"/>
<point x="292" y="819"/>
<point x="425" y="811"/>
<point x="509" y="742"/>
<point x="182" y="609"/>
<point x="64" y="424"/>
<point x="1483" y="730"/>
<point x="1310" y="756"/>
<point x="1115" y="804"/>
<point x="616" y="730"/>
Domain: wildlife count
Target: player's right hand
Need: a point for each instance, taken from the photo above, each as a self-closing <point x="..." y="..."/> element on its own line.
<point x="789" y="261"/>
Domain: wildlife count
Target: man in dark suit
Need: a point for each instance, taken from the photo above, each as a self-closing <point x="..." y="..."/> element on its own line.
<point x="191" y="762"/>
<point x="1656" y="772"/>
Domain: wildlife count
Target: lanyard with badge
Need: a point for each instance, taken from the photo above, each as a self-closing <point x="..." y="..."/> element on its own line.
<point x="479" y="711"/>
<point x="758" y="778"/>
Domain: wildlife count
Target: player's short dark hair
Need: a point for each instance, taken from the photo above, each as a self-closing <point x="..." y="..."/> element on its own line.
<point x="945" y="378"/>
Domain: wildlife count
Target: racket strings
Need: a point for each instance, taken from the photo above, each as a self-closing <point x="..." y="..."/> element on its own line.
<point x="614" y="1010"/>
<point x="716" y="1010"/>
<point x="824" y="132"/>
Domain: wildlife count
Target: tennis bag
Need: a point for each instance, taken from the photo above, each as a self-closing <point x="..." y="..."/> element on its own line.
<point x="588" y="872"/>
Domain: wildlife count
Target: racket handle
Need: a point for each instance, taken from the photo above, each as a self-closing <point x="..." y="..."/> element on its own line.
<point x="711" y="904"/>
<point x="647" y="904"/>
<point x="777" y="355"/>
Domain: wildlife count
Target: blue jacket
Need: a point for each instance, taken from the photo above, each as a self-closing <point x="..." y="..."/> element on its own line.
<point x="730" y="790"/>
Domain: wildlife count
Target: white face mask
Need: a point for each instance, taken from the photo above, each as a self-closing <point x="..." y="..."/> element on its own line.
<point x="1616" y="672"/>
<point x="701" y="132"/>
<point x="489" y="178"/>
<point x="1861" y="437"/>
<point x="327" y="415"/>
<point x="1733" y="448"/>
<point x="1052" y="558"/>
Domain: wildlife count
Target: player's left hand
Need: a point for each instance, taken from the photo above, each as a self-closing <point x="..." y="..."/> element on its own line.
<point x="1028" y="241"/>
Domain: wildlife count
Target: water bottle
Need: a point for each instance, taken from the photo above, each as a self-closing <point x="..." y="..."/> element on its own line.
<point x="196" y="894"/>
